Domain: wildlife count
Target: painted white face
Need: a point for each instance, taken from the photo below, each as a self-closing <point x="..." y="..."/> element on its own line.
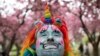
<point x="49" y="41"/>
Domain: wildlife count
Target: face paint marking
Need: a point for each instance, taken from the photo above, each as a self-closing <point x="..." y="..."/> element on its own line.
<point x="43" y="31"/>
<point x="44" y="28"/>
<point x="38" y="43"/>
<point x="54" y="28"/>
<point x="56" y="33"/>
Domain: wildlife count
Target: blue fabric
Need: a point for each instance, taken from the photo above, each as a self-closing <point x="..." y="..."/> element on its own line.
<point x="27" y="53"/>
<point x="33" y="47"/>
<point x="48" y="20"/>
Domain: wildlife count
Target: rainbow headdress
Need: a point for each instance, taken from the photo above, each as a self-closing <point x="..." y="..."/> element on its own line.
<point x="47" y="19"/>
<point x="47" y="16"/>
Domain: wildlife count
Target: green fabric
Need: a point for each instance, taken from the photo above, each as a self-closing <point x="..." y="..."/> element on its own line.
<point x="31" y="50"/>
<point x="27" y="53"/>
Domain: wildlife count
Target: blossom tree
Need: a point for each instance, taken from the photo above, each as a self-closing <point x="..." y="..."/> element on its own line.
<point x="17" y="18"/>
<point x="90" y="10"/>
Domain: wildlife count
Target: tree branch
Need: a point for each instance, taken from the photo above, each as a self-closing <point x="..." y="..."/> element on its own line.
<point x="83" y="25"/>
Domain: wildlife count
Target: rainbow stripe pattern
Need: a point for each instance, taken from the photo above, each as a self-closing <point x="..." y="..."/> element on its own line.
<point x="47" y="15"/>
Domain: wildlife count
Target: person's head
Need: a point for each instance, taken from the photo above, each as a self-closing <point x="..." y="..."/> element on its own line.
<point x="49" y="41"/>
<point x="50" y="37"/>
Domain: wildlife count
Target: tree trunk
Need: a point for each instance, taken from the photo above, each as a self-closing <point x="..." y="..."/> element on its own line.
<point x="95" y="50"/>
<point x="18" y="50"/>
<point x="4" y="54"/>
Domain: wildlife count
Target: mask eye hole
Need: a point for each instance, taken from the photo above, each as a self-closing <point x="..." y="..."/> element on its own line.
<point x="43" y="33"/>
<point x="56" y="33"/>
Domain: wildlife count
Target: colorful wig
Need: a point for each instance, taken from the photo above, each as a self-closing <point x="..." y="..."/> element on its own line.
<point x="57" y="21"/>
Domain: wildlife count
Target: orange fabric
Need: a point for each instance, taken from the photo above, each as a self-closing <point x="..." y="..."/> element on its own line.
<point x="29" y="40"/>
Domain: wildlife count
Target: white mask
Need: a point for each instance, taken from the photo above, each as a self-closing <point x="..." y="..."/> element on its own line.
<point x="49" y="41"/>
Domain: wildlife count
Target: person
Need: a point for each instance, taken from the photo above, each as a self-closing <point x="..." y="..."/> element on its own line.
<point x="49" y="37"/>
